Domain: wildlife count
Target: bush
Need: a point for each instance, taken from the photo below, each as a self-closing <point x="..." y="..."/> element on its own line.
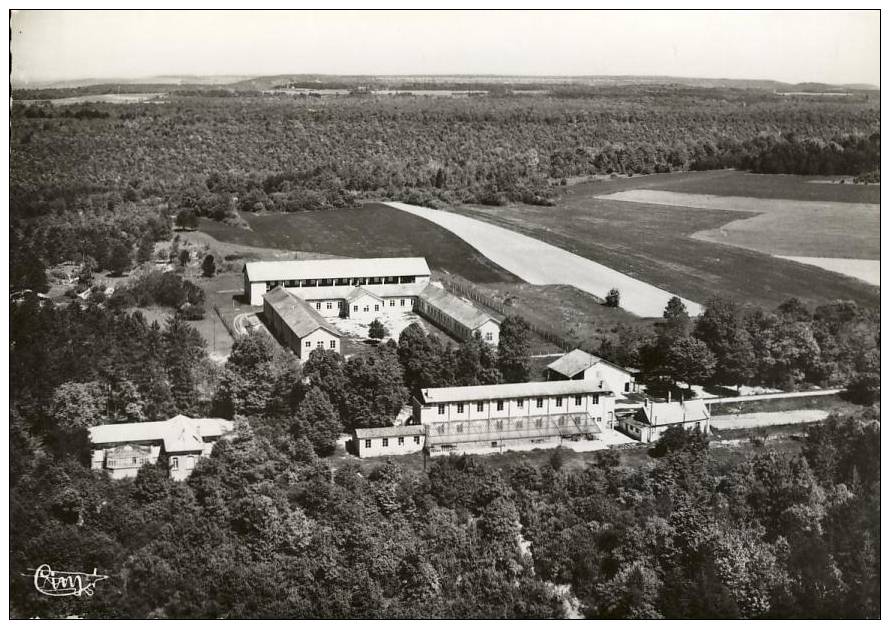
<point x="613" y="299"/>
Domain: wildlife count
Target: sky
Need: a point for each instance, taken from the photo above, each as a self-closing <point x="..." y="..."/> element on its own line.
<point x="791" y="46"/>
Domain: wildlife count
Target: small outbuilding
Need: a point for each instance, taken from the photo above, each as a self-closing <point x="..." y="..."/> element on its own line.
<point x="580" y="364"/>
<point x="653" y="418"/>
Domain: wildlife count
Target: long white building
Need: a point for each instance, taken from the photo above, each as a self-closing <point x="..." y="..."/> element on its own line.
<point x="298" y="326"/>
<point x="323" y="281"/>
<point x="513" y="416"/>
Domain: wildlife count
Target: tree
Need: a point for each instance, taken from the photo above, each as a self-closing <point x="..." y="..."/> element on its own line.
<point x="720" y="327"/>
<point x="513" y="350"/>
<point x="690" y="360"/>
<point x="146" y="249"/>
<point x="375" y="393"/>
<point x="475" y="362"/>
<point x="376" y="330"/>
<point x="208" y="266"/>
<point x="118" y="257"/>
<point x="318" y="421"/>
<point x="421" y="359"/>
<point x="865" y="389"/>
<point x="613" y="299"/>
<point x="186" y="220"/>
<point x="185" y="257"/>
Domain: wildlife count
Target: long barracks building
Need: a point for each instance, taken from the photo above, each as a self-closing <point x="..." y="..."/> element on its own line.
<point x="511" y="416"/>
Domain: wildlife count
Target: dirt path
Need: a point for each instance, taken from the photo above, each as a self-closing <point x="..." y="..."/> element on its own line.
<point x="540" y="263"/>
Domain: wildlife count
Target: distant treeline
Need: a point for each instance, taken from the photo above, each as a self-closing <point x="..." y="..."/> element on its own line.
<point x="275" y="153"/>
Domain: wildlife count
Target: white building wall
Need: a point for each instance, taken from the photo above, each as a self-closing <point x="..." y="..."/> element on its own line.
<point x="373" y="447"/>
<point x="491" y="332"/>
<point x="319" y="337"/>
<point x="617" y="380"/>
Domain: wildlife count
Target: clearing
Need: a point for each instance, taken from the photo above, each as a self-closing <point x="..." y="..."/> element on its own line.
<point x="538" y="262"/>
<point x="654" y="243"/>
<point x="372" y="230"/>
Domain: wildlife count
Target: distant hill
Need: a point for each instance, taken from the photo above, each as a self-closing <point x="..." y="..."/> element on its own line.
<point x="264" y="83"/>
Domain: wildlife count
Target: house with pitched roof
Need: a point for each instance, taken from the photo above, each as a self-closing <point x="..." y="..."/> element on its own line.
<point x="580" y="364"/>
<point x="122" y="449"/>
<point x="456" y="316"/>
<point x="297" y="325"/>
<point x="653" y="418"/>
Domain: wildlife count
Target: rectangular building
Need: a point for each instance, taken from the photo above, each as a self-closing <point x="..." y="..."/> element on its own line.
<point x="393" y="440"/>
<point x="579" y="364"/>
<point x="653" y="418"/>
<point x="298" y="326"/>
<point x="324" y="276"/>
<point x="511" y="416"/>
<point x="122" y="449"/>
<point x="456" y="316"/>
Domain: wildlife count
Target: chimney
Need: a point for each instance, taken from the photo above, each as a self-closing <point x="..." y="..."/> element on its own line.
<point x="669" y="397"/>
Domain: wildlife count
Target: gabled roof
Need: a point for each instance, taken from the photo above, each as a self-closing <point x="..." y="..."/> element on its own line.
<point x="358" y="292"/>
<point x="312" y="293"/>
<point x="337" y="268"/>
<point x="577" y="361"/>
<point x="178" y="434"/>
<point x="389" y="431"/>
<point x="301" y="318"/>
<point x="665" y="414"/>
<point x="513" y="391"/>
<point x="458" y="309"/>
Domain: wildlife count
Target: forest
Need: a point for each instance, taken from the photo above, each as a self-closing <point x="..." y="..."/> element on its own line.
<point x="214" y="156"/>
<point x="271" y="526"/>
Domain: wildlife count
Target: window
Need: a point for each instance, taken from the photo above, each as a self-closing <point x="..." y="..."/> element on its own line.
<point x="319" y="344"/>
<point x="367" y="443"/>
<point x="385" y="442"/>
<point x="318" y="306"/>
<point x="333" y="344"/>
<point x="519" y="403"/>
<point x="697" y="424"/>
<point x="401" y="441"/>
<point x="577" y="400"/>
<point x="401" y="302"/>
<point x="376" y="307"/>
<point x="494" y="444"/>
<point x="174" y="463"/>
<point x="366" y="309"/>
<point x="626" y="387"/>
<point x="460" y="428"/>
<point x="499" y="424"/>
<point x="441" y="429"/>
<point x="339" y="304"/>
<point x="558" y="402"/>
<point x="540" y="402"/>
<point x="460" y="408"/>
<point x="561" y="421"/>
<point x="519" y="425"/>
<point x="308" y="344"/>
<point x="330" y="305"/>
<point x="417" y="439"/>
<point x="488" y="337"/>
<point x="539" y="422"/>
<point x="355" y="307"/>
<point x="595" y="399"/>
<point x="500" y="404"/>
<point x="599" y="419"/>
<point x="480" y="407"/>
<point x="392" y="302"/>
<point x="441" y="408"/>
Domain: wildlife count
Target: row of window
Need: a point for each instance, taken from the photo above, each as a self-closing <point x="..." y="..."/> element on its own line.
<point x="320" y="344"/>
<point x="520" y="403"/>
<point x="520" y="424"/>
<point x="342" y="281"/>
<point x="330" y="305"/>
<point x="189" y="463"/>
<point x="385" y="441"/>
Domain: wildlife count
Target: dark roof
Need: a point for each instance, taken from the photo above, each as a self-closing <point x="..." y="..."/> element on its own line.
<point x="301" y="318"/>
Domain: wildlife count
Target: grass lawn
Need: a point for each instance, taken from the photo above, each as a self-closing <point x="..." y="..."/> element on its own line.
<point x="819" y="402"/>
<point x="652" y="242"/>
<point x="373" y="230"/>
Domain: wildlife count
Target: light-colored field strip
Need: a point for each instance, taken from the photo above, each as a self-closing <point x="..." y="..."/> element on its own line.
<point x="756" y="420"/>
<point x="783" y="227"/>
<point x="868" y="271"/>
<point x="540" y="263"/>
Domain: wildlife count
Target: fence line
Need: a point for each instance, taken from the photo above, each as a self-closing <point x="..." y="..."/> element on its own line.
<point x="229" y="329"/>
<point x="466" y="289"/>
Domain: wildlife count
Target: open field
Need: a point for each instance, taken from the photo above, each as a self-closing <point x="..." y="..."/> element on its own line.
<point x="653" y="242"/>
<point x="105" y="98"/>
<point x="373" y="230"/>
<point x="868" y="271"/>
<point x="782" y="227"/>
<point x="739" y="183"/>
<point x="539" y="262"/>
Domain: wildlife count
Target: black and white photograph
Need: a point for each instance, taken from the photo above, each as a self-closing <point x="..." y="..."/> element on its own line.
<point x="423" y="314"/>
